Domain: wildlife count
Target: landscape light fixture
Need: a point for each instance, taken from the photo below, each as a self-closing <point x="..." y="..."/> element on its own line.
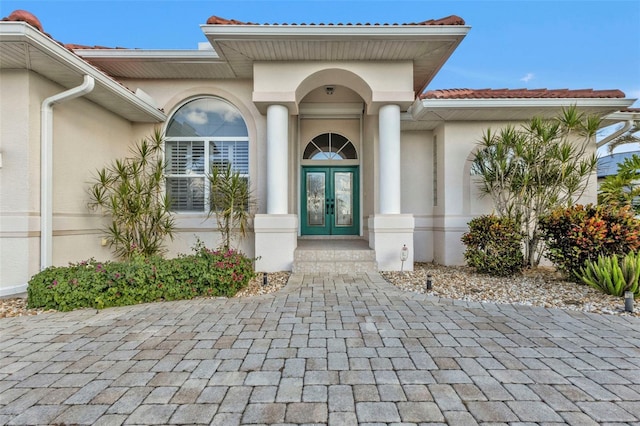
<point x="404" y="255"/>
<point x="628" y="301"/>
<point x="429" y="282"/>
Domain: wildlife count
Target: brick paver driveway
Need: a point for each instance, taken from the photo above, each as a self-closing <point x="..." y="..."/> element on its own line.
<point x="338" y="350"/>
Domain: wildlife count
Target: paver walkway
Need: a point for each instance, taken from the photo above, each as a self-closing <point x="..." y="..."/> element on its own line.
<point x="339" y="350"/>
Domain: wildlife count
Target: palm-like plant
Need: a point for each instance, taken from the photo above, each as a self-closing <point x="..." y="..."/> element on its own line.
<point x="231" y="201"/>
<point x="623" y="188"/>
<point x="530" y="170"/>
<point x="131" y="192"/>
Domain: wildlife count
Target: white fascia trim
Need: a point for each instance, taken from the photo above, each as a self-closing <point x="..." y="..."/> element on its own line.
<point x="168" y="55"/>
<point x="623" y="116"/>
<point x="332" y="32"/>
<point x="20" y="31"/>
<point x="422" y="105"/>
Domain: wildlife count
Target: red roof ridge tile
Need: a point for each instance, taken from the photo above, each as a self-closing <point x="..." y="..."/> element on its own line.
<point x="73" y="46"/>
<point x="520" y="93"/>
<point x="31" y="19"/>
<point x="19" y="15"/>
<point x="448" y="20"/>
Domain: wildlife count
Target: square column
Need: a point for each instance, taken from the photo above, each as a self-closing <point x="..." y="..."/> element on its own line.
<point x="388" y="233"/>
<point x="276" y="233"/>
<point x="389" y="230"/>
<point x="276" y="239"/>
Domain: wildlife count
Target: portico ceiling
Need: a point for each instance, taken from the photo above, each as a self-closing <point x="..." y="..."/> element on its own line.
<point x="427" y="46"/>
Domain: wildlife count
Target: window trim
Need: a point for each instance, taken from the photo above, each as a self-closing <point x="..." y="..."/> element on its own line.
<point x="206" y="141"/>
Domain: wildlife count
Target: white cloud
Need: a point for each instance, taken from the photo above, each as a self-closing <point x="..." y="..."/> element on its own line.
<point x="197" y="117"/>
<point x="530" y="76"/>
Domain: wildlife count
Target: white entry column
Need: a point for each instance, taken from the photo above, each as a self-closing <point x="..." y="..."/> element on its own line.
<point x="276" y="232"/>
<point x="389" y="160"/>
<point x="389" y="230"/>
<point x="277" y="157"/>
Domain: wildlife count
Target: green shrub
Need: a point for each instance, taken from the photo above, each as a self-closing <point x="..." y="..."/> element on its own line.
<point x="612" y="276"/>
<point x="140" y="280"/>
<point x="494" y="245"/>
<point x="576" y="234"/>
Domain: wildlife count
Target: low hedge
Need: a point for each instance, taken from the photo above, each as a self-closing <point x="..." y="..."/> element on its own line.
<point x="93" y="284"/>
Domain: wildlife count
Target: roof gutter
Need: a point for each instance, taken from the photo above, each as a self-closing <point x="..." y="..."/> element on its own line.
<point x="624" y="129"/>
<point x="46" y="165"/>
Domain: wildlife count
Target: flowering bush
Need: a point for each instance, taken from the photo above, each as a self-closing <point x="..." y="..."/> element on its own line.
<point x="140" y="280"/>
<point x="576" y="234"/>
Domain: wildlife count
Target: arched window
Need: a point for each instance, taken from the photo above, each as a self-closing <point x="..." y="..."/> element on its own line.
<point x="202" y="134"/>
<point x="330" y="146"/>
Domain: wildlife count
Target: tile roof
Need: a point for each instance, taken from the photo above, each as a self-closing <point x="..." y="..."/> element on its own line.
<point x="449" y="20"/>
<point x="519" y="93"/>
<point x="24" y="16"/>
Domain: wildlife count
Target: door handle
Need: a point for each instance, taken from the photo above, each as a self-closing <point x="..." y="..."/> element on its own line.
<point x="330" y="206"/>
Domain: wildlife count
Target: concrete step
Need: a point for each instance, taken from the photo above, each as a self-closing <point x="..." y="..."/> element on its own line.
<point x="337" y="261"/>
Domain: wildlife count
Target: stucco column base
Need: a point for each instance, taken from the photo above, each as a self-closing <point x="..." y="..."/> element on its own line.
<point x="276" y="240"/>
<point x="387" y="234"/>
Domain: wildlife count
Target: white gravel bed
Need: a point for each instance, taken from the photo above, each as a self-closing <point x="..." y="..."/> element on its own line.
<point x="540" y="287"/>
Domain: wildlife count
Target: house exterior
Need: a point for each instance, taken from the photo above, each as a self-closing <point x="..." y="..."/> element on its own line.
<point x="334" y="125"/>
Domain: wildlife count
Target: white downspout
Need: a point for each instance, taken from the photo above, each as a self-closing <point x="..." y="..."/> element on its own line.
<point x="46" y="165"/>
<point x="627" y="126"/>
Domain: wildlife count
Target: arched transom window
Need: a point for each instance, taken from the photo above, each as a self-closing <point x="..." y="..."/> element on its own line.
<point x="330" y="146"/>
<point x="202" y="134"/>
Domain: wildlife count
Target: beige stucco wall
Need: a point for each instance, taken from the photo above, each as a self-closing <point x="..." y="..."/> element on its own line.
<point x="417" y="189"/>
<point x="19" y="188"/>
<point x="85" y="136"/>
<point x="375" y="82"/>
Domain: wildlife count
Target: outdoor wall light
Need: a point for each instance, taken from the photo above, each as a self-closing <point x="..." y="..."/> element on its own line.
<point x="329" y="90"/>
<point x="404" y="255"/>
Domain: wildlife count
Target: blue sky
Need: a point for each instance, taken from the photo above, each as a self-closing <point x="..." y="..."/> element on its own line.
<point x="512" y="44"/>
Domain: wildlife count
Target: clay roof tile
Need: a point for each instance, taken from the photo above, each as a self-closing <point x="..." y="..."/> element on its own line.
<point x="519" y="93"/>
<point x="24" y="16"/>
<point x="449" y="20"/>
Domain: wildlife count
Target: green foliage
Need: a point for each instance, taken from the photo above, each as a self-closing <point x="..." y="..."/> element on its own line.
<point x="140" y="280"/>
<point x="580" y="233"/>
<point x="131" y="191"/>
<point x="623" y="188"/>
<point x="531" y="170"/>
<point x="612" y="276"/>
<point x="494" y="245"/>
<point x="231" y="203"/>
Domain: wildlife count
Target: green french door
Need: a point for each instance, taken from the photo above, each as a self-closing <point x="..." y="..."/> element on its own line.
<point x="330" y="204"/>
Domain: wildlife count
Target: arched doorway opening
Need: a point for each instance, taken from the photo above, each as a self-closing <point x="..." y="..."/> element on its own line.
<point x="330" y="203"/>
